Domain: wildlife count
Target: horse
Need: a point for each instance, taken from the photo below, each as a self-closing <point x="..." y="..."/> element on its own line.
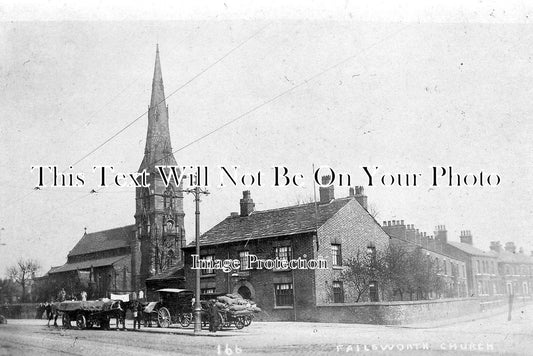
<point x="52" y="312"/>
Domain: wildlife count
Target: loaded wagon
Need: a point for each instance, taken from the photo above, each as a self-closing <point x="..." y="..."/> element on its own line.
<point x="90" y="313"/>
<point x="174" y="307"/>
<point x="232" y="309"/>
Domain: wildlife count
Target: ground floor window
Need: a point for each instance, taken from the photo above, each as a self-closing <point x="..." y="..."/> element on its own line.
<point x="284" y="294"/>
<point x="207" y="291"/>
<point x="373" y="291"/>
<point x="338" y="292"/>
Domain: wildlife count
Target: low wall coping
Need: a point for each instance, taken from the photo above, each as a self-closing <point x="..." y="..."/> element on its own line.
<point x="395" y="303"/>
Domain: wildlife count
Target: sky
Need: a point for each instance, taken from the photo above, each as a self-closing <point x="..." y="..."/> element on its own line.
<point x="343" y="85"/>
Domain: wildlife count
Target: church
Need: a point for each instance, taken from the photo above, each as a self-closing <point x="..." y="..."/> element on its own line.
<point x="147" y="254"/>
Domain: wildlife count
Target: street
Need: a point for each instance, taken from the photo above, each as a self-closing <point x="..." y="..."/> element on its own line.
<point x="477" y="334"/>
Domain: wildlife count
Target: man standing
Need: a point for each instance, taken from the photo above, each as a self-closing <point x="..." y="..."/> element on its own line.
<point x="214" y="317"/>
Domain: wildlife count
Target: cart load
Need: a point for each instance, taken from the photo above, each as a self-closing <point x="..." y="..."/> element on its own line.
<point x="90" y="313"/>
<point x="89" y="305"/>
<point x="236" y="304"/>
<point x="234" y="309"/>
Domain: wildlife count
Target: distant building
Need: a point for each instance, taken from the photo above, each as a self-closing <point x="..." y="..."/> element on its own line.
<point x="332" y="230"/>
<point x="148" y="253"/>
<point x="100" y="262"/>
<point x="515" y="269"/>
<point x="481" y="267"/>
<point x="451" y="268"/>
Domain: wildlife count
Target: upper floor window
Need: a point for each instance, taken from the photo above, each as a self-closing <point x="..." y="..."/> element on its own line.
<point x="243" y="257"/>
<point x="283" y="253"/>
<point x="371" y="251"/>
<point x="208" y="258"/>
<point x="336" y="254"/>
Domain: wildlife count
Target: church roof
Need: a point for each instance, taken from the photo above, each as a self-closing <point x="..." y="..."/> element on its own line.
<point x="100" y="262"/>
<point x="289" y="220"/>
<point x="104" y="240"/>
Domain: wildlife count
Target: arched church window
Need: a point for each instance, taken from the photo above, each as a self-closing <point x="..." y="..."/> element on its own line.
<point x="168" y="198"/>
<point x="170" y="258"/>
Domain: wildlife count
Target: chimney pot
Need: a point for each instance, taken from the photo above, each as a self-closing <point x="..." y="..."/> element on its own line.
<point x="360" y="196"/>
<point x="247" y="204"/>
<point x="327" y="192"/>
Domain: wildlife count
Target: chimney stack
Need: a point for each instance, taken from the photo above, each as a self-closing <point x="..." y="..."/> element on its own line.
<point x="466" y="237"/>
<point x="496" y="246"/>
<point x="441" y="235"/>
<point x="247" y="204"/>
<point x="327" y="194"/>
<point x="510" y="247"/>
<point x="361" y="197"/>
<point x="351" y="192"/>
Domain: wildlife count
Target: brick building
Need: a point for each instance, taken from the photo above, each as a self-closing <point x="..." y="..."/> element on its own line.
<point x="451" y="268"/>
<point x="100" y="262"/>
<point x="149" y="252"/>
<point x="514" y="268"/>
<point x="481" y="267"/>
<point x="331" y="230"/>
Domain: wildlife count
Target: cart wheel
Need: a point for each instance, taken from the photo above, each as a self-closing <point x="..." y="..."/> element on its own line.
<point x="247" y="320"/>
<point x="65" y="319"/>
<point x="239" y="323"/>
<point x="81" y="322"/>
<point x="186" y="319"/>
<point x="89" y="325"/>
<point x="163" y="317"/>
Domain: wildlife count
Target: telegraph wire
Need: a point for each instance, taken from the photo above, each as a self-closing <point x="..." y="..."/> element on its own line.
<point x="251" y="110"/>
<point x="283" y="93"/>
<point x="145" y="112"/>
<point x="171" y="94"/>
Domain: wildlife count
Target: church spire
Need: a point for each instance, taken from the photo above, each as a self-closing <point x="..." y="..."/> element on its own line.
<point x="158" y="91"/>
<point x="158" y="150"/>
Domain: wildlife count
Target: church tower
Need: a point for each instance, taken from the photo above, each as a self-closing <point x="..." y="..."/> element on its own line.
<point x="159" y="215"/>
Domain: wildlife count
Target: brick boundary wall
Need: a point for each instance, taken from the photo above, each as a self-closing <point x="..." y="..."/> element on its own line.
<point x="20" y="311"/>
<point x="405" y="312"/>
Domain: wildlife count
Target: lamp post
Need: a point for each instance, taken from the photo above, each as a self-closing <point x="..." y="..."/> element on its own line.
<point x="197" y="306"/>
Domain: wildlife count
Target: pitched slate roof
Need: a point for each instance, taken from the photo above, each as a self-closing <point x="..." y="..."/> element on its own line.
<point x="104" y="240"/>
<point x="86" y="264"/>
<point x="289" y="220"/>
<point x="471" y="250"/>
<point x="509" y="257"/>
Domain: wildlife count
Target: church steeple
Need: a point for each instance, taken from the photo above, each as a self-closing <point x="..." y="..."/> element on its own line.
<point x="158" y="149"/>
<point x="159" y="215"/>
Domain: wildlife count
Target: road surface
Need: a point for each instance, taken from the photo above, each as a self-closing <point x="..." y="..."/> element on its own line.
<point x="471" y="335"/>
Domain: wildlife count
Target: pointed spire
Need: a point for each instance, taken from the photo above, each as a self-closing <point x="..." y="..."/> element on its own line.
<point x="158" y="150"/>
<point x="158" y="91"/>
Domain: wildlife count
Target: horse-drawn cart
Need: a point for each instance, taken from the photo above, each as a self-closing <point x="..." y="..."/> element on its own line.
<point x="174" y="307"/>
<point x="90" y="313"/>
